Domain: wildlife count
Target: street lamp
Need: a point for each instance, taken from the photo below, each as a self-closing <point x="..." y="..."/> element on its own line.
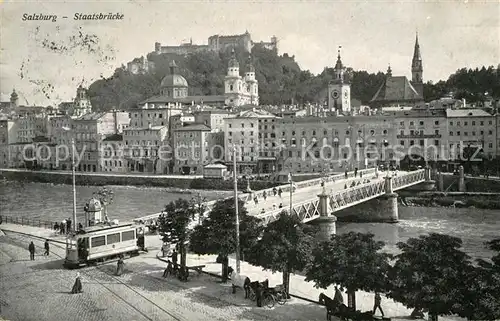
<point x="67" y="129"/>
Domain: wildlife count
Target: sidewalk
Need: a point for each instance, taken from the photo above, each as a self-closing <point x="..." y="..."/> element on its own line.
<point x="34" y="231"/>
<point x="300" y="288"/>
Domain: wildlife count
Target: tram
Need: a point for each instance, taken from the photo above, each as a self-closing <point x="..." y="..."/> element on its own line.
<point x="102" y="242"/>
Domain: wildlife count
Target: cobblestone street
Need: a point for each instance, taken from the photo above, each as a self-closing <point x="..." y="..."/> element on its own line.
<point x="40" y="290"/>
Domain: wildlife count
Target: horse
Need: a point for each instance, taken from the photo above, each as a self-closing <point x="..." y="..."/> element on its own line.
<point x="240" y="281"/>
<point x="330" y="305"/>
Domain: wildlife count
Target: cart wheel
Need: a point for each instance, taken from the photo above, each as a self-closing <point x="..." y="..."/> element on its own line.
<point x="269" y="300"/>
<point x="281" y="297"/>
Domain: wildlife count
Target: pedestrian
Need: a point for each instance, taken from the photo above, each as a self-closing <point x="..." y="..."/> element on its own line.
<point x="275" y="191"/>
<point x="256" y="200"/>
<point x="56" y="227"/>
<point x="77" y="286"/>
<point x="63" y="226"/>
<point x="274" y="207"/>
<point x="80" y="226"/>
<point x="174" y="258"/>
<point x="31" y="248"/>
<point x="119" y="266"/>
<point x="376" y="305"/>
<point x="258" y="294"/>
<point x="264" y="195"/>
<point x="338" y="298"/>
<point x="281" y="205"/>
<point x="280" y="191"/>
<point x="263" y="211"/>
<point x="346" y="175"/>
<point x="355" y="172"/>
<point x="360" y="174"/>
<point x="68" y="226"/>
<point x="47" y="248"/>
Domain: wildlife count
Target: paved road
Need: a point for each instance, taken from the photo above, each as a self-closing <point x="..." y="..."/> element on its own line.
<point x="306" y="194"/>
<point x="39" y="290"/>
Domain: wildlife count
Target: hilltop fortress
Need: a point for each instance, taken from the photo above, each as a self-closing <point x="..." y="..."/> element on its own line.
<point x="218" y="43"/>
<point x="215" y="43"/>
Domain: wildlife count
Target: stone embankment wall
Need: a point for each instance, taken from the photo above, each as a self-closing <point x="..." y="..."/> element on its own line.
<point x="95" y="179"/>
<point x="472" y="184"/>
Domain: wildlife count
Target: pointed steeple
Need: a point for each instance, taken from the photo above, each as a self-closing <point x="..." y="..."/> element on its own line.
<point x="339" y="65"/>
<point x="416" y="51"/>
<point x="233" y="62"/>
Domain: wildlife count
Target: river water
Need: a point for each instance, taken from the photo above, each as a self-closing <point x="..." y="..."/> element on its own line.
<point x="54" y="203"/>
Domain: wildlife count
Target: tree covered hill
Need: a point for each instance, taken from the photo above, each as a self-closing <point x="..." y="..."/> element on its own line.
<point x="281" y="81"/>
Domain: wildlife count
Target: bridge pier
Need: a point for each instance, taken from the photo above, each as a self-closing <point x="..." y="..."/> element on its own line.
<point x="440" y="182"/>
<point x="429" y="184"/>
<point x="326" y="220"/>
<point x="389" y="204"/>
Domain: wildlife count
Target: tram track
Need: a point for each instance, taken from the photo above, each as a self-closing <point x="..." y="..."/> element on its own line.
<point x="87" y="270"/>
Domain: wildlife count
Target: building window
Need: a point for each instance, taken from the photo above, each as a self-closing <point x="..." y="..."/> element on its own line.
<point x="412" y="143"/>
<point x="436" y="122"/>
<point x="422" y="142"/>
<point x="402" y="142"/>
<point x="421" y="122"/>
<point x="473" y="123"/>
<point x="451" y="133"/>
<point x="436" y="142"/>
<point x="465" y="123"/>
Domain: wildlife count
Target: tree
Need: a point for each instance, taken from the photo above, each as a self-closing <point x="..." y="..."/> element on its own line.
<point x="217" y="233"/>
<point x="430" y="274"/>
<point x="353" y="261"/>
<point x="285" y="246"/>
<point x="482" y="298"/>
<point x="173" y="225"/>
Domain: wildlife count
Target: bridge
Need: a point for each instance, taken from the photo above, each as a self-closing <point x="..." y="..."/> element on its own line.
<point x="316" y="199"/>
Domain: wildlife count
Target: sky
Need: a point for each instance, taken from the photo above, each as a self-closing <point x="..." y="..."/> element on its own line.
<point x="45" y="61"/>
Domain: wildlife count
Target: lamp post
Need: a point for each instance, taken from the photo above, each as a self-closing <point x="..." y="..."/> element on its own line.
<point x="235" y="178"/>
<point x="73" y="176"/>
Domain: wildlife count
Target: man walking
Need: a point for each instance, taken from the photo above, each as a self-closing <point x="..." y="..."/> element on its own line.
<point x="46" y="246"/>
<point x="31" y="248"/>
<point x="378" y="300"/>
<point x="338" y="298"/>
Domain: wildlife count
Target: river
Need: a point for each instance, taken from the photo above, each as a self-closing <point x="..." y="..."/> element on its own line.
<point x="54" y="203"/>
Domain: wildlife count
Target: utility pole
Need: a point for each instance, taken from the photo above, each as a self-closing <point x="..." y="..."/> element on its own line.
<point x="74" y="182"/>
<point x="291" y="191"/>
<point x="235" y="177"/>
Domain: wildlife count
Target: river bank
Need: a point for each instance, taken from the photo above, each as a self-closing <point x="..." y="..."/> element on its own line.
<point x="177" y="183"/>
<point x="490" y="201"/>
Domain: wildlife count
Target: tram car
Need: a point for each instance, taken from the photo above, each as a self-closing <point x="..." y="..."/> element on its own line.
<point x="101" y="242"/>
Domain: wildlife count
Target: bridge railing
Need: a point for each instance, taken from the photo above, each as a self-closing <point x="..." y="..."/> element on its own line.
<point x="408" y="179"/>
<point x="285" y="188"/>
<point x="27" y="221"/>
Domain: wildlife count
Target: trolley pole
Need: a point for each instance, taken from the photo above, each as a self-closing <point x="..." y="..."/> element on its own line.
<point x="74" y="183"/>
<point x="235" y="177"/>
<point x="291" y="192"/>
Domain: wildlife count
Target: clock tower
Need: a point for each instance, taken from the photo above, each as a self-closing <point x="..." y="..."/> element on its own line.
<point x="339" y="90"/>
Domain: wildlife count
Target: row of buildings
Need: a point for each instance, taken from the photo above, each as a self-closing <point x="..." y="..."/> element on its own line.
<point x="169" y="140"/>
<point x="176" y="133"/>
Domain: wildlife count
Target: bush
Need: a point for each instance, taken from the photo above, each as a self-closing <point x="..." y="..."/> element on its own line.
<point x="227" y="185"/>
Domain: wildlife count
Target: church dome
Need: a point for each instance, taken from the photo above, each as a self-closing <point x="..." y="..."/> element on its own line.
<point x="174" y="81"/>
<point x="94" y="205"/>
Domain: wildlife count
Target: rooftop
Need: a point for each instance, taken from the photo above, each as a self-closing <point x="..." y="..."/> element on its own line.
<point x="186" y="100"/>
<point x="467" y="113"/>
<point x="113" y="138"/>
<point x="396" y="89"/>
<point x="193" y="127"/>
<point x="92" y="116"/>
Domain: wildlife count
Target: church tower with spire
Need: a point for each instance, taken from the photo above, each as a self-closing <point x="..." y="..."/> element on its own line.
<point x="417" y="69"/>
<point x="339" y="89"/>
